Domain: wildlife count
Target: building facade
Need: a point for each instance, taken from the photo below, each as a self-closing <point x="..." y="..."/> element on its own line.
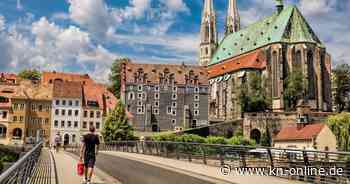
<point x="165" y="97"/>
<point x="273" y="48"/>
<point x="67" y="111"/>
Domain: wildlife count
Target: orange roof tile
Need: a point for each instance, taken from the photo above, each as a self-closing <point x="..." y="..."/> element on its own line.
<point x="252" y="60"/>
<point x="306" y="133"/>
<point x="67" y="89"/>
<point x="50" y="77"/>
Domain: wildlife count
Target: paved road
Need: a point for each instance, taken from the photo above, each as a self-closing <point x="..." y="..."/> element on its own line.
<point x="133" y="172"/>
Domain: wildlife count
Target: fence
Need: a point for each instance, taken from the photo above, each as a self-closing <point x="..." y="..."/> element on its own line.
<point x="248" y="157"/>
<point x="21" y="172"/>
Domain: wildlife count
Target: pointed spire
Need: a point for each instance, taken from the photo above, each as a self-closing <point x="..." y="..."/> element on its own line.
<point x="233" y="23"/>
<point x="208" y="10"/>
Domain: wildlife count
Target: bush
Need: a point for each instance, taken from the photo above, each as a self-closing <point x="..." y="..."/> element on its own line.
<point x="215" y="140"/>
<point x="1" y="165"/>
<point x="240" y="140"/>
<point x="190" y="138"/>
<point x="163" y="137"/>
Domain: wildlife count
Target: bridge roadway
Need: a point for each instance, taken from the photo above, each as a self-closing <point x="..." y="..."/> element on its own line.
<point x="129" y="168"/>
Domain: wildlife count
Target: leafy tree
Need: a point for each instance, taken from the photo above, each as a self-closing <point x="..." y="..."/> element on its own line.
<point x="117" y="127"/>
<point x="215" y="140"/>
<point x="341" y="85"/>
<point x="294" y="89"/>
<point x="340" y="126"/>
<point x="240" y="140"/>
<point x="30" y="74"/>
<point x="253" y="96"/>
<point x="266" y="138"/>
<point x="115" y="76"/>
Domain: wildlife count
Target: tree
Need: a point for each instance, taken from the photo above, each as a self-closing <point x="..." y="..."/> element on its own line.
<point x="341" y="86"/>
<point x="30" y="74"/>
<point x="340" y="126"/>
<point x="117" y="127"/>
<point x="293" y="89"/>
<point x="115" y="76"/>
<point x="253" y="96"/>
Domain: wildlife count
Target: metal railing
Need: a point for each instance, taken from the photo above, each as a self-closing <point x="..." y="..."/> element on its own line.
<point x="246" y="157"/>
<point x="21" y="171"/>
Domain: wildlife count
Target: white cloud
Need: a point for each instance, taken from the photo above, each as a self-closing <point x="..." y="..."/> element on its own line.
<point x="60" y="16"/>
<point x="19" y="5"/>
<point x="317" y="7"/>
<point x="175" y="5"/>
<point x="2" y="22"/>
<point x="137" y="9"/>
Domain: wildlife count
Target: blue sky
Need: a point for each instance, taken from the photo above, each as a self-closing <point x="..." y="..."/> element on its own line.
<point x="86" y="35"/>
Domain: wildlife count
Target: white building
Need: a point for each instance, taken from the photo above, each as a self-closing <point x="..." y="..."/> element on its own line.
<point x="67" y="111"/>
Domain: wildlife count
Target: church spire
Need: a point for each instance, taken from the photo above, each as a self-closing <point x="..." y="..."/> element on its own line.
<point x="209" y="35"/>
<point x="233" y="23"/>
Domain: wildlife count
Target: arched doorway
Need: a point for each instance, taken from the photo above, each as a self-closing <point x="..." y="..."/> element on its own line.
<point x="3" y="131"/>
<point x="17" y="133"/>
<point x="66" y="139"/>
<point x="255" y="135"/>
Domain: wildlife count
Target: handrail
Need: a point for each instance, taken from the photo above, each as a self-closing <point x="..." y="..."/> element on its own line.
<point x="20" y="170"/>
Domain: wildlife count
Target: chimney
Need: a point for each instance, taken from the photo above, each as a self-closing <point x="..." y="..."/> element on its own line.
<point x="279" y="5"/>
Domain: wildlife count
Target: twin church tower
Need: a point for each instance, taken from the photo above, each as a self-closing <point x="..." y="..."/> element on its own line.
<point x="208" y="32"/>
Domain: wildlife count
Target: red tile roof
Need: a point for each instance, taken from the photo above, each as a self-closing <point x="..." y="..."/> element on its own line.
<point x="252" y="60"/>
<point x="293" y="133"/>
<point x="153" y="72"/>
<point x="99" y="93"/>
<point x="67" y="89"/>
<point x="8" y="77"/>
<point x="50" y="77"/>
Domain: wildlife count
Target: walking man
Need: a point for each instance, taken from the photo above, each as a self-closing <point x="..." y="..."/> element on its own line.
<point x="89" y="151"/>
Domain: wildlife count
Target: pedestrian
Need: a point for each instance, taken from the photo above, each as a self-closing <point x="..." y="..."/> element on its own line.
<point x="88" y="152"/>
<point x="57" y="142"/>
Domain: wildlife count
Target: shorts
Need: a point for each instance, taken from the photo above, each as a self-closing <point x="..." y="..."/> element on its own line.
<point x="89" y="161"/>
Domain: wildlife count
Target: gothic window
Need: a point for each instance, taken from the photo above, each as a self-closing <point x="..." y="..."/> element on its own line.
<point x="131" y="96"/>
<point x="297" y="60"/>
<point x="275" y="76"/>
<point x="311" y="74"/>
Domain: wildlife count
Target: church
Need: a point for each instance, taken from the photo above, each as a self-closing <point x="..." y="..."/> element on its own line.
<point x="273" y="48"/>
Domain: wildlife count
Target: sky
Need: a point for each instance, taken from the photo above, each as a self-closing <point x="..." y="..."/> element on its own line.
<point x="85" y="36"/>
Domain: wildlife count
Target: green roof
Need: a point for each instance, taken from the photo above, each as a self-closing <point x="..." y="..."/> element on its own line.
<point x="288" y="26"/>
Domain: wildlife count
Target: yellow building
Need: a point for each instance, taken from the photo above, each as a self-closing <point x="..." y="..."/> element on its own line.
<point x="315" y="136"/>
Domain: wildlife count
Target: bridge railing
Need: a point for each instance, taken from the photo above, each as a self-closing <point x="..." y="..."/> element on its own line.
<point x="244" y="157"/>
<point x="20" y="172"/>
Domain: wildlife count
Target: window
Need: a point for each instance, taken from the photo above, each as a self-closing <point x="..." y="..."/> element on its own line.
<point x="33" y="107"/>
<point x="14" y="118"/>
<point x="76" y="112"/>
<point x="15" y="106"/>
<point x="196" y="105"/>
<point x="70" y="103"/>
<point x="196" y="89"/>
<point x="174" y="96"/>
<point x="139" y="103"/>
<point x="69" y="124"/>
<point x="22" y="107"/>
<point x="77" y="103"/>
<point x="174" y="105"/>
<point x="47" y="108"/>
<point x="196" y="112"/>
<point x="131" y="96"/>
<point x="156" y="96"/>
<point x="173" y="121"/>
<point x="156" y="88"/>
<point x="63" y="112"/>
<point x="173" y="112"/>
<point x="92" y="114"/>
<point x="98" y="124"/>
<point x="139" y="96"/>
<point x="75" y="124"/>
<point x="144" y="96"/>
<point x="156" y="103"/>
<point x="56" y="123"/>
<point x="174" y="88"/>
<point x="69" y="112"/>
<point x="73" y="138"/>
<point x="194" y="123"/>
<point x="91" y="124"/>
<point x="84" y="124"/>
<point x="46" y="120"/>
<point x="85" y="114"/>
<point x="62" y="124"/>
<point x="141" y="110"/>
<point x="168" y="110"/>
<point x="196" y="97"/>
<point x="4" y="114"/>
<point x="63" y="102"/>
<point x="21" y="119"/>
<point x="40" y="108"/>
<point x="156" y="111"/>
<point x="139" y="87"/>
<point x="98" y="114"/>
<point x="57" y="112"/>
<point x="57" y="102"/>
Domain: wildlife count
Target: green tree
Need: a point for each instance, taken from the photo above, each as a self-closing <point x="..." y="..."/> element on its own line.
<point x="294" y="89"/>
<point x="341" y="86"/>
<point x="117" y="127"/>
<point x="266" y="138"/>
<point x="115" y="76"/>
<point x="340" y="126"/>
<point x="30" y="74"/>
<point x="253" y="96"/>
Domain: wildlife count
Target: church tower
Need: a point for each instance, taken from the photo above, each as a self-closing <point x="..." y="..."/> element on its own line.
<point x="208" y="34"/>
<point x="233" y="23"/>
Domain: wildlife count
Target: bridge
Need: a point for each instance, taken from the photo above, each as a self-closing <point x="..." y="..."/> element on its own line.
<point x="135" y="162"/>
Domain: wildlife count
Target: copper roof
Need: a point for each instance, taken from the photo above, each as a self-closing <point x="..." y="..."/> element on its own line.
<point x="50" y="77"/>
<point x="67" y="89"/>
<point x="154" y="71"/>
<point x="306" y="133"/>
<point x="252" y="60"/>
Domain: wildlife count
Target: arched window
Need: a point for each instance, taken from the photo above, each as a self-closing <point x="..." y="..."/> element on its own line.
<point x="297" y="60"/>
<point x="275" y="75"/>
<point x="311" y="75"/>
<point x="17" y="133"/>
<point x="3" y="131"/>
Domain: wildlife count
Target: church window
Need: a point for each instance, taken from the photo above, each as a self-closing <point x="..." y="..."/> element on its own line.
<point x="275" y="70"/>
<point x="297" y="60"/>
<point x="311" y="75"/>
<point x="206" y="50"/>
